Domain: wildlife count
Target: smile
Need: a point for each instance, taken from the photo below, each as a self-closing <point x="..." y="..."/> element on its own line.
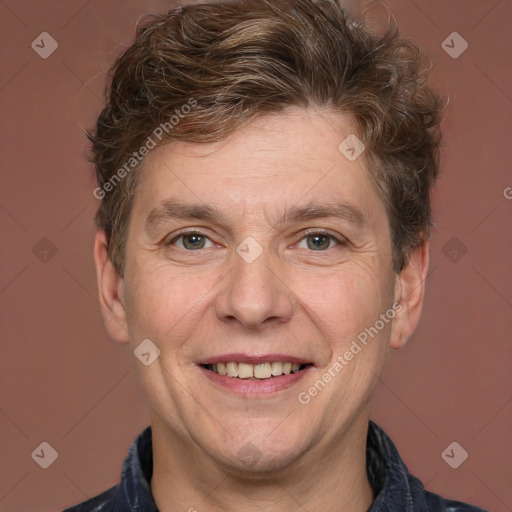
<point x="260" y="371"/>
<point x="254" y="376"/>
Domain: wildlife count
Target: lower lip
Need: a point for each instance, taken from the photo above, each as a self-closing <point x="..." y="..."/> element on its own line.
<point x="255" y="388"/>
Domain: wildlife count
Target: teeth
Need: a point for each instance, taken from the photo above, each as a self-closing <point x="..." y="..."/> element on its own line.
<point x="262" y="371"/>
<point x="276" y="368"/>
<point x="256" y="371"/>
<point x="245" y="371"/>
<point x="231" y="369"/>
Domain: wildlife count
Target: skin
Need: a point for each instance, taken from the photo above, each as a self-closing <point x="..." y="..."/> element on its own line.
<point x="198" y="303"/>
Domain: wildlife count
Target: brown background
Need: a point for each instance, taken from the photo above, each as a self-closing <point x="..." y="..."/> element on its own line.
<point x="65" y="382"/>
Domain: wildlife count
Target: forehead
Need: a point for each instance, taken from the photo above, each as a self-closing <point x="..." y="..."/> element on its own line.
<point x="282" y="159"/>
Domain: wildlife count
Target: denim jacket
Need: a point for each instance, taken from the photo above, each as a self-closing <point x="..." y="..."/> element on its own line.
<point x="396" y="490"/>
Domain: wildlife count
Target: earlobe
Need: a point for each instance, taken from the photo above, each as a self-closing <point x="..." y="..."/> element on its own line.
<point x="111" y="292"/>
<point x="409" y="293"/>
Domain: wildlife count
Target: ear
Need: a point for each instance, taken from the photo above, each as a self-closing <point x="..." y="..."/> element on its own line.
<point x="409" y="293"/>
<point x="111" y="291"/>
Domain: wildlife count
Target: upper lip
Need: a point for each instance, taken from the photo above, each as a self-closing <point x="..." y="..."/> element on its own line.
<point x="253" y="359"/>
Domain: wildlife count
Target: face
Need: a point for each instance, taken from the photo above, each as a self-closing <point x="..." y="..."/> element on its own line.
<point x="266" y="249"/>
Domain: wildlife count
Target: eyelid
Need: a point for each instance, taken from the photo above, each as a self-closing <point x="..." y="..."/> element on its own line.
<point x="186" y="231"/>
<point x="303" y="234"/>
<point x="320" y="231"/>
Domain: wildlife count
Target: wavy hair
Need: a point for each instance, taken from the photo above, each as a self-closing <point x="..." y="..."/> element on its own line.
<point x="239" y="59"/>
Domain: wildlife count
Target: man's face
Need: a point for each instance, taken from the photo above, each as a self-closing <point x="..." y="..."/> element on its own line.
<point x="272" y="278"/>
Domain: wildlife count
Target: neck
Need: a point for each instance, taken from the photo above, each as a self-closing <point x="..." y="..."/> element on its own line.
<point x="329" y="478"/>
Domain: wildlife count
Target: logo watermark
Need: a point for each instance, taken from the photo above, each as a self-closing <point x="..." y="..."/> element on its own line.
<point x="138" y="156"/>
<point x="363" y="337"/>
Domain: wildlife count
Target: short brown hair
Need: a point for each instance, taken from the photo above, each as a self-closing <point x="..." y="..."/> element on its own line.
<point x="238" y="59"/>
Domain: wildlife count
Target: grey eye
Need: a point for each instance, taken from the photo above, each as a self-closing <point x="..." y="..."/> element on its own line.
<point x="318" y="241"/>
<point x="191" y="241"/>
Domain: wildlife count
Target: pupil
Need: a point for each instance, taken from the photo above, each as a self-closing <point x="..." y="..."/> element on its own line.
<point x="318" y="242"/>
<point x="194" y="241"/>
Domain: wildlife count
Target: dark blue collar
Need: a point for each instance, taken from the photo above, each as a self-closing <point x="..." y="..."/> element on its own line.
<point x="395" y="489"/>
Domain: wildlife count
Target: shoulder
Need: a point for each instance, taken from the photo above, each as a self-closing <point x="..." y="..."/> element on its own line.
<point x="101" y="503"/>
<point x="437" y="503"/>
<point x="395" y="487"/>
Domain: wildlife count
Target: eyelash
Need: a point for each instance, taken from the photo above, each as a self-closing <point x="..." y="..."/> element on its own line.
<point x="338" y="239"/>
<point x="180" y="234"/>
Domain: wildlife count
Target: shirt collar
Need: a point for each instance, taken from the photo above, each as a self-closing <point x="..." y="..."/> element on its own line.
<point x="392" y="484"/>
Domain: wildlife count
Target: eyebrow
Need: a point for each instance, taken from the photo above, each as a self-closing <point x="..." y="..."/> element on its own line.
<point x="174" y="209"/>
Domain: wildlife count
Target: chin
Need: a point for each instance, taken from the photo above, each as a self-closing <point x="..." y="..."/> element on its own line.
<point x="254" y="459"/>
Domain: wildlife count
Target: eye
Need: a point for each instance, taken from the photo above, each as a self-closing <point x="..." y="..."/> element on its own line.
<point x="191" y="241"/>
<point x="319" y="241"/>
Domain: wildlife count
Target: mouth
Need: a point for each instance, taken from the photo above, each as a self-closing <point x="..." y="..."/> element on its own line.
<point x="260" y="371"/>
<point x="255" y="376"/>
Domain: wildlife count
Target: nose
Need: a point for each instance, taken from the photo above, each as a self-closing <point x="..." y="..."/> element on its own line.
<point x="255" y="295"/>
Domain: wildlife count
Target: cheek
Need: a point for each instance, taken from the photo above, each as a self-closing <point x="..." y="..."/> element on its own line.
<point x="344" y="301"/>
<point x="164" y="305"/>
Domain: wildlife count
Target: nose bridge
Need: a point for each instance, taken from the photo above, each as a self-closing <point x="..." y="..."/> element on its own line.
<point x="254" y="294"/>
